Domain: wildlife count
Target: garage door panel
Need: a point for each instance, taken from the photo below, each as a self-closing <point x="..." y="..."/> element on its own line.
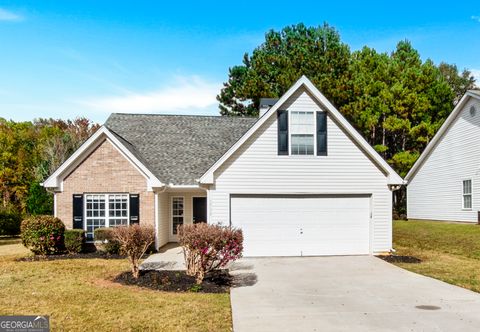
<point x="302" y="225"/>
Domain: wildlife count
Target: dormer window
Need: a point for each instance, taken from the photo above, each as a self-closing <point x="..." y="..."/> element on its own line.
<point x="302" y="133"/>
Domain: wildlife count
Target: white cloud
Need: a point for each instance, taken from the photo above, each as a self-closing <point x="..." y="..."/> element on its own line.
<point x="475" y="17"/>
<point x="192" y="94"/>
<point x="476" y="75"/>
<point x="6" y="15"/>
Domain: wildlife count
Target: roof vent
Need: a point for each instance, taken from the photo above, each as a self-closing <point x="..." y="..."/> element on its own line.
<point x="265" y="105"/>
<point x="473" y="111"/>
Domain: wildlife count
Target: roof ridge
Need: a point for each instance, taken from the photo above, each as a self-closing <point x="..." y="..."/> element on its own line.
<point x="185" y="115"/>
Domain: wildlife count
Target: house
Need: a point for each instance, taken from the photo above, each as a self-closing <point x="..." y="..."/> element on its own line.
<point x="444" y="183"/>
<point x="298" y="180"/>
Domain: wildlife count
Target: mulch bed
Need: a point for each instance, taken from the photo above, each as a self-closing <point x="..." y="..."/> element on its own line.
<point x="88" y="255"/>
<point x="400" y="259"/>
<point x="177" y="281"/>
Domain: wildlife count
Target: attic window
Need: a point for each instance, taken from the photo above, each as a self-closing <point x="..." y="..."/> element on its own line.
<point x="473" y="111"/>
<point x="302" y="130"/>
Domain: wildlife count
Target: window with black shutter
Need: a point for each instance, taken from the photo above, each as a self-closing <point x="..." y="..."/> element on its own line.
<point x="321" y="133"/>
<point x="282" y="118"/>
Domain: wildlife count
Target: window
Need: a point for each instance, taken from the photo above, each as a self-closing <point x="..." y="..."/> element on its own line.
<point x="302" y="133"/>
<point x="105" y="210"/>
<point x="467" y="194"/>
<point x="177" y="213"/>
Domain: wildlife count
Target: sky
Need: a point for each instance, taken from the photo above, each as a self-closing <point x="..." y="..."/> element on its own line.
<point x="65" y="59"/>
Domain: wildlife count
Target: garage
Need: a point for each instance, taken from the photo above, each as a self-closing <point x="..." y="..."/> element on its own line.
<point x="302" y="225"/>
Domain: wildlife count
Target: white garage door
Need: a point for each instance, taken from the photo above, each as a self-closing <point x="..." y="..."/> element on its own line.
<point x="299" y="225"/>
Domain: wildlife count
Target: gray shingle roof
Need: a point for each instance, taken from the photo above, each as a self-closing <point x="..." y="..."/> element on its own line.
<point x="178" y="149"/>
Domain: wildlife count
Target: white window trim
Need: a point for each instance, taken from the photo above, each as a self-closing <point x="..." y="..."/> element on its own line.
<point x="471" y="195"/>
<point x="174" y="236"/>
<point x="314" y="154"/>
<point x="107" y="217"/>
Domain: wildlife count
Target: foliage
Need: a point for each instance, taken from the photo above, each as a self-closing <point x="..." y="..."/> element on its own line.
<point x="74" y="239"/>
<point x="105" y="241"/>
<point x="43" y="235"/>
<point x="39" y="201"/>
<point x="397" y="101"/>
<point x="278" y="62"/>
<point x="31" y="151"/>
<point x="9" y="223"/>
<point x="209" y="247"/>
<point x="134" y="242"/>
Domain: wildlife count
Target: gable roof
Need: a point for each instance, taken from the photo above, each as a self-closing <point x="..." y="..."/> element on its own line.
<point x="441" y="132"/>
<point x="178" y="149"/>
<point x="393" y="177"/>
<point x="56" y="178"/>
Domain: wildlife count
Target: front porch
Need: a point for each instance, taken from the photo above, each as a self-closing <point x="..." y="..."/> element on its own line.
<point x="178" y="206"/>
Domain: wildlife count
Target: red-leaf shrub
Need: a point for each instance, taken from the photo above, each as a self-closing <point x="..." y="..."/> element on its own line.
<point x="209" y="247"/>
<point x="134" y="241"/>
<point x="43" y="235"/>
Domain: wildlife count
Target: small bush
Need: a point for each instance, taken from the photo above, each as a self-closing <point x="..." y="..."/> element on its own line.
<point x="134" y="242"/>
<point x="43" y="235"/>
<point x="9" y="223"/>
<point x="74" y="240"/>
<point x="209" y="247"/>
<point x="104" y="241"/>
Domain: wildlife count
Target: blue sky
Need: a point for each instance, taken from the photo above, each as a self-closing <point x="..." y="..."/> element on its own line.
<point x="65" y="59"/>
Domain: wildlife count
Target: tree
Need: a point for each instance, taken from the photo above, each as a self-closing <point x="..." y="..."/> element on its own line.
<point x="459" y="82"/>
<point x="277" y="63"/>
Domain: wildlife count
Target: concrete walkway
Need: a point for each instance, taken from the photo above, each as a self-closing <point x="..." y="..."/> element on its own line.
<point x="169" y="257"/>
<point x="350" y="293"/>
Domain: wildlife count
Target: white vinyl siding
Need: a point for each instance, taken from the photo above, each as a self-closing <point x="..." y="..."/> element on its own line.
<point x="436" y="191"/>
<point x="255" y="168"/>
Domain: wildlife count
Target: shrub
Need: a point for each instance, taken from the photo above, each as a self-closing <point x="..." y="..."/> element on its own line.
<point x="134" y="242"/>
<point x="43" y="235"/>
<point x="209" y="247"/>
<point x="74" y="240"/>
<point x="105" y="241"/>
<point x="9" y="223"/>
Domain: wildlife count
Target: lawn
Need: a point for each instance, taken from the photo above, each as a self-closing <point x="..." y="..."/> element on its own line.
<point x="449" y="251"/>
<point x="78" y="295"/>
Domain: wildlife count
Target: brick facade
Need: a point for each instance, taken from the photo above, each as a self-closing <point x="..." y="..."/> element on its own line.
<point x="105" y="170"/>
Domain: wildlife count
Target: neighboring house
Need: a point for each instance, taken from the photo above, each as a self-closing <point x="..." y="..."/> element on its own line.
<point x="444" y="183"/>
<point x="299" y="180"/>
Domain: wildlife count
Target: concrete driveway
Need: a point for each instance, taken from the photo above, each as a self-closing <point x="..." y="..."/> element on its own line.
<point x="349" y="293"/>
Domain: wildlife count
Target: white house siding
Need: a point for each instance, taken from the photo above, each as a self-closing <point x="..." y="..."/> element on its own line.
<point x="163" y="219"/>
<point x="435" y="191"/>
<point x="165" y="216"/>
<point x="257" y="169"/>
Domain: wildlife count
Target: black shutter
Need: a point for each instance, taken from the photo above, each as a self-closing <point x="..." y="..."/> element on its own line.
<point x="321" y="133"/>
<point x="134" y="209"/>
<point x="78" y="211"/>
<point x="282" y="119"/>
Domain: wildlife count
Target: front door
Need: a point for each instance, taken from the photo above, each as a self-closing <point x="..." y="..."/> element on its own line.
<point x="199" y="213"/>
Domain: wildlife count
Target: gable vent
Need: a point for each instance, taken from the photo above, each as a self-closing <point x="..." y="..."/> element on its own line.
<point x="473" y="111"/>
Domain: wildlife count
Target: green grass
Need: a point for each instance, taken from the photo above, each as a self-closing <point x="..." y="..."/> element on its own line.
<point x="449" y="251"/>
<point x="78" y="295"/>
